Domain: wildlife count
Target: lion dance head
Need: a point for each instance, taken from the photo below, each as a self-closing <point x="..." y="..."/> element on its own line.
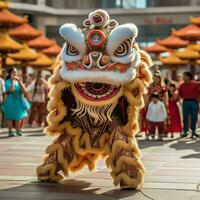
<point x="95" y="94"/>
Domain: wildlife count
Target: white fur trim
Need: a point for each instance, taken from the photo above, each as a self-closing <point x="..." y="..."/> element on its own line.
<point x="118" y="35"/>
<point x="71" y="33"/>
<point x="109" y="77"/>
<point x="68" y="58"/>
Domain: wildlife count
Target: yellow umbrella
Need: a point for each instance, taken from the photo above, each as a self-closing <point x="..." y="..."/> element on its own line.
<point x="24" y="55"/>
<point x="41" y="62"/>
<point x="195" y="20"/>
<point x="195" y="47"/>
<point x="7" y="45"/>
<point x="11" y="62"/>
<point x="173" y="61"/>
<point x="190" y="55"/>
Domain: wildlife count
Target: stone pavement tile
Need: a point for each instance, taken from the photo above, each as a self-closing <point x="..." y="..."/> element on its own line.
<point x="171" y="179"/>
<point x="4" y="194"/>
<point x="96" y="175"/>
<point x="169" y="194"/>
<point x="77" y="196"/>
<point x="174" y="186"/>
<point x="178" y="172"/>
<point x="84" y="182"/>
<point x="160" y="157"/>
<point x="17" y="178"/>
<point x="149" y="163"/>
<point x="184" y="163"/>
<point x="6" y="184"/>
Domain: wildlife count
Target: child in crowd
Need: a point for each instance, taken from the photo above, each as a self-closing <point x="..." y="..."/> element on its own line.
<point x="156" y="116"/>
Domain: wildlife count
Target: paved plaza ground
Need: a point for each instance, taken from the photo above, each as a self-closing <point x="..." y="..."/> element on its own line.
<point x="172" y="172"/>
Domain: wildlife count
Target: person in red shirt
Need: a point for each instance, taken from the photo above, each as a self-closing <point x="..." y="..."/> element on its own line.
<point x="189" y="91"/>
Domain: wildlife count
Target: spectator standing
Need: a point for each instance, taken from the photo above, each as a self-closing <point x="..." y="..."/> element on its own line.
<point x="2" y="93"/>
<point x="156" y="116"/>
<point x="14" y="106"/>
<point x="36" y="92"/>
<point x="174" y="111"/>
<point x="179" y="80"/>
<point x="158" y="86"/>
<point x="189" y="91"/>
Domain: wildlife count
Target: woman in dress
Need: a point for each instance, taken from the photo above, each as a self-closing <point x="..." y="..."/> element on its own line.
<point x="158" y="87"/>
<point x="174" y="111"/>
<point x="13" y="106"/>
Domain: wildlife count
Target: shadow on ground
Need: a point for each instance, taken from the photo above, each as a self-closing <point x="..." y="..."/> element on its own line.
<point x="71" y="188"/>
<point x="186" y="143"/>
<point x="143" y="144"/>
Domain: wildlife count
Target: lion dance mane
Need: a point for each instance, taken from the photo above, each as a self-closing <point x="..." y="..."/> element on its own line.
<point x="96" y="92"/>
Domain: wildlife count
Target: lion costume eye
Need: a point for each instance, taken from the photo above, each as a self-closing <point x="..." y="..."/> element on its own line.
<point x="71" y="50"/>
<point x="124" y="49"/>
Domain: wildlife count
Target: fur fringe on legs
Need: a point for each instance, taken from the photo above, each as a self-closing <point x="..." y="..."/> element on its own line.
<point x="127" y="169"/>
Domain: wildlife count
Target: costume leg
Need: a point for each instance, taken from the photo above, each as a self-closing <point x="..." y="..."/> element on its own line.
<point x="127" y="170"/>
<point x="58" y="157"/>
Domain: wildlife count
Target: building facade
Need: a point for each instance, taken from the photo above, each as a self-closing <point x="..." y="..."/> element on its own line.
<point x="154" y="18"/>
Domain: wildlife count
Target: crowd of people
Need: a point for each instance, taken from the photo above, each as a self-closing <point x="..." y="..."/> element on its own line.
<point x="171" y="107"/>
<point x="22" y="101"/>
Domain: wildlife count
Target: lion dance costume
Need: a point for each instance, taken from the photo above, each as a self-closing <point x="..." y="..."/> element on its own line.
<point x="95" y="95"/>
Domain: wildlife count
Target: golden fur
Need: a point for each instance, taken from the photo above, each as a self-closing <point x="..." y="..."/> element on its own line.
<point x="88" y="155"/>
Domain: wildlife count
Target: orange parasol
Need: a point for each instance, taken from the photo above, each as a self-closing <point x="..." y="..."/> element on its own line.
<point x="156" y="48"/>
<point x="53" y="50"/>
<point x="190" y="32"/>
<point x="40" y="42"/>
<point x="173" y="42"/>
<point x="25" y="32"/>
<point x="8" y="19"/>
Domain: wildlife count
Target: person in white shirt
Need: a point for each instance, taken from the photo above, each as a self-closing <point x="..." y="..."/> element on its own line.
<point x="156" y="116"/>
<point x="36" y="95"/>
<point x="2" y="93"/>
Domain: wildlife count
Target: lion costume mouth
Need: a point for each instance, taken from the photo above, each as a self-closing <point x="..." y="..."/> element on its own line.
<point x="96" y="91"/>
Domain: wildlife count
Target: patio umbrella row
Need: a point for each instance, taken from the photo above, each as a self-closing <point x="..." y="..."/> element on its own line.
<point x="182" y="46"/>
<point x="32" y="49"/>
